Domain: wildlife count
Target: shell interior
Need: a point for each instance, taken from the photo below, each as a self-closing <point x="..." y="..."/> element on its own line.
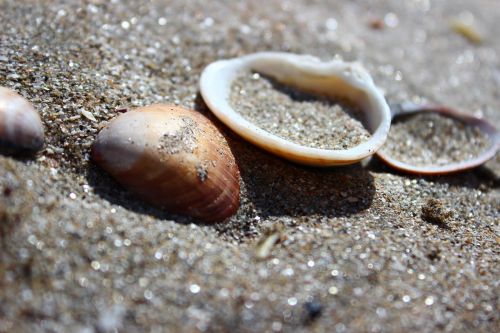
<point x="335" y="79"/>
<point x="488" y="129"/>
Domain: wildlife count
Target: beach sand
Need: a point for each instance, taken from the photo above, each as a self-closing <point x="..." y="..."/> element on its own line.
<point x="361" y="248"/>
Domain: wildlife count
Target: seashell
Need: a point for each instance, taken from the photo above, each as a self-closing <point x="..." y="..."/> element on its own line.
<point x="21" y="129"/>
<point x="336" y="79"/>
<point x="486" y="128"/>
<point x="173" y="158"/>
<point x="466" y="30"/>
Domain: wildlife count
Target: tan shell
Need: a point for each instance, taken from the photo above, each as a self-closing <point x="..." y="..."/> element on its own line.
<point x="21" y="128"/>
<point x="173" y="158"/>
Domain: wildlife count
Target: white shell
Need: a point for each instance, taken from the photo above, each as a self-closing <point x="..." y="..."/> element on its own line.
<point x="336" y="79"/>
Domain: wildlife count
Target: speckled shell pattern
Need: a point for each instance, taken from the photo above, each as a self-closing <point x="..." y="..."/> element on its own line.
<point x="21" y="128"/>
<point x="171" y="157"/>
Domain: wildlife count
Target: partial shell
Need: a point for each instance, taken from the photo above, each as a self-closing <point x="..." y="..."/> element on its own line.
<point x="335" y="79"/>
<point x="487" y="128"/>
<point x="21" y="128"/>
<point x="173" y="158"/>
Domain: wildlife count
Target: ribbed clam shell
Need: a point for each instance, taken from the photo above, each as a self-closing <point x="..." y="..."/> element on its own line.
<point x="335" y="79"/>
<point x="173" y="158"/>
<point x="21" y="128"/>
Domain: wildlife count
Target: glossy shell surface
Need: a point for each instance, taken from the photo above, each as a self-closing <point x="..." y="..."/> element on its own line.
<point x="335" y="79"/>
<point x="21" y="129"/>
<point x="173" y="158"/>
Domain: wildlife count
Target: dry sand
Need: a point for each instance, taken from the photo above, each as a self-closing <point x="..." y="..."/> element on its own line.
<point x="430" y="139"/>
<point x="362" y="248"/>
<point x="310" y="120"/>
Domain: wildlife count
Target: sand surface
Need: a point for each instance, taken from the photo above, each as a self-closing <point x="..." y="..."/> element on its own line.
<point x="361" y="248"/>
<point x="303" y="118"/>
<point x="430" y="139"/>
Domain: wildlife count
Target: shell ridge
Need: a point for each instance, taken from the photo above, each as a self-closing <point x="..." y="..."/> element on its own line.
<point x="164" y="168"/>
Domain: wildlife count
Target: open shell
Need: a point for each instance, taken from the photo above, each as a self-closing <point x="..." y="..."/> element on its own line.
<point x="335" y="79"/>
<point x="483" y="125"/>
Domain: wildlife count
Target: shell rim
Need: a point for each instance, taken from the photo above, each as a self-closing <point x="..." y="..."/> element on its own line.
<point x="449" y="168"/>
<point x="218" y="102"/>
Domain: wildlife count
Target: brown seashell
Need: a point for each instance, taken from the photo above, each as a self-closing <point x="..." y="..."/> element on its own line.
<point x="173" y="158"/>
<point x="336" y="79"/>
<point x="21" y="128"/>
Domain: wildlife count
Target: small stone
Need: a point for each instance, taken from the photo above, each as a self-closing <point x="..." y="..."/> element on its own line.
<point x="352" y="199"/>
<point x="434" y="212"/>
<point x="313" y="310"/>
<point x="88" y="115"/>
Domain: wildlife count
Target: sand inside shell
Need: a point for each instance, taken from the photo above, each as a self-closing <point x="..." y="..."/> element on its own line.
<point x="306" y="119"/>
<point x="431" y="139"/>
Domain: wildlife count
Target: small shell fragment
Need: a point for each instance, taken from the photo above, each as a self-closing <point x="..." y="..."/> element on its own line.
<point x="21" y="129"/>
<point x="171" y="157"/>
<point x="266" y="243"/>
<point x="335" y="79"/>
<point x="468" y="31"/>
<point x="88" y="115"/>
